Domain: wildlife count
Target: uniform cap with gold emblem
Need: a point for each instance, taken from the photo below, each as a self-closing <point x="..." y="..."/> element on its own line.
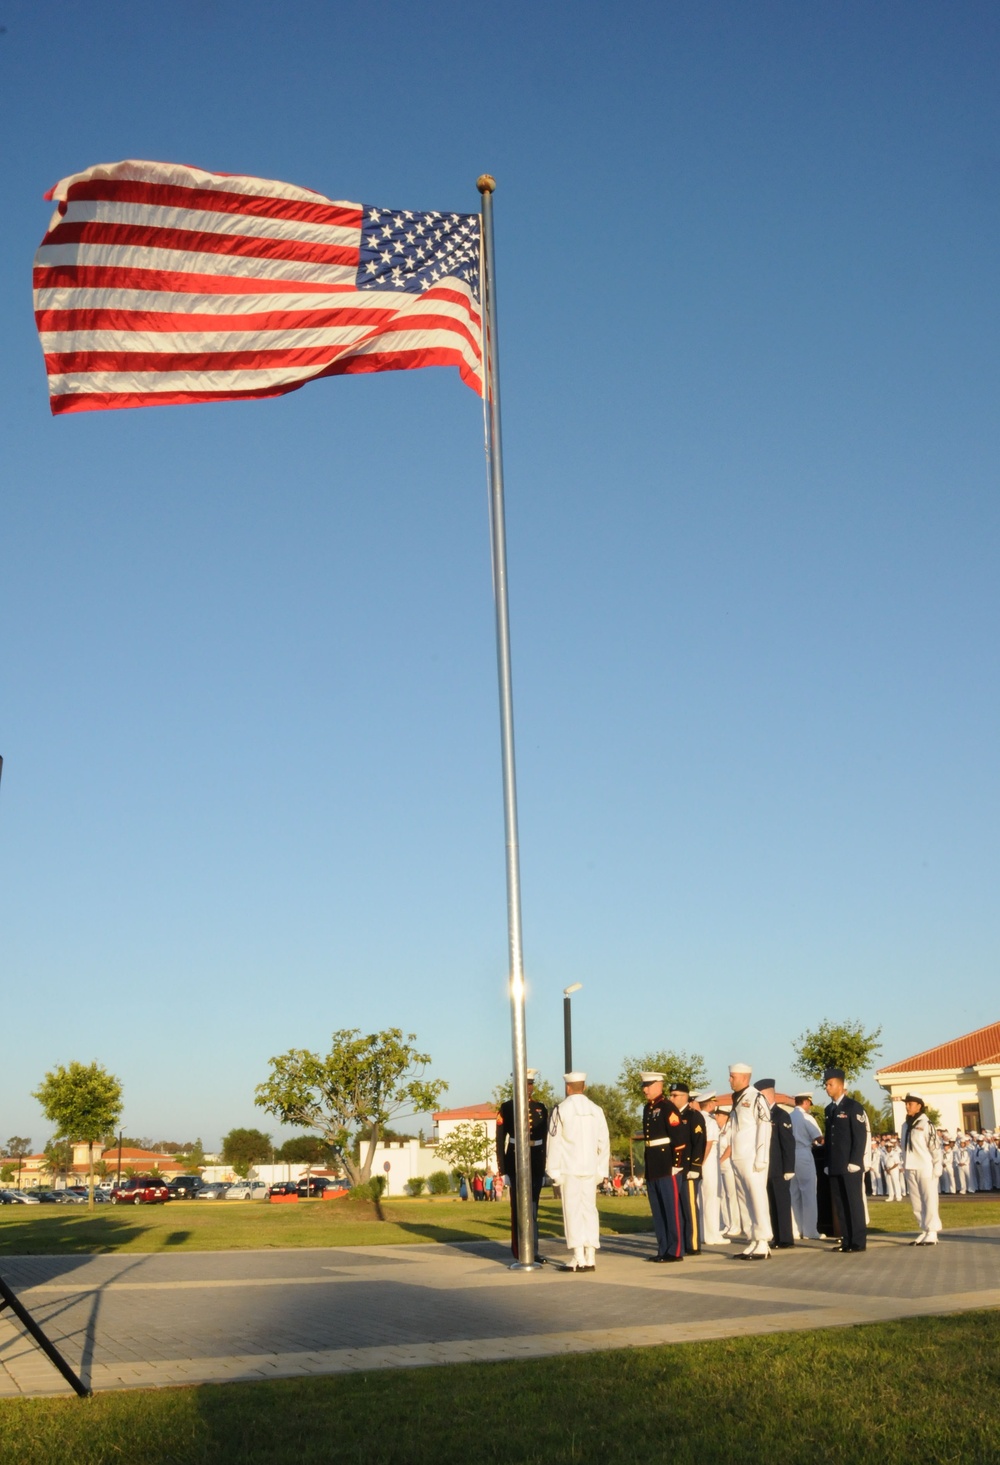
<point x="703" y="1096"/>
<point x="645" y="1078"/>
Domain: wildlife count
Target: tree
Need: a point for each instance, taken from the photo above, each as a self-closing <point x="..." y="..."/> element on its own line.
<point x="304" y="1149"/>
<point x="624" y="1119"/>
<point x="243" y="1148"/>
<point x="466" y="1149"/>
<point x="17" y="1148"/>
<point x="678" y="1067"/>
<point x="542" y="1091"/>
<point x="84" y="1102"/>
<point x="365" y="1081"/>
<point x="843" y="1045"/>
<point x="58" y="1156"/>
<point x="7" y="1172"/>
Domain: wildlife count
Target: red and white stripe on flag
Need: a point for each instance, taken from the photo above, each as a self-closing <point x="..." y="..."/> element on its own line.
<point x="159" y="283"/>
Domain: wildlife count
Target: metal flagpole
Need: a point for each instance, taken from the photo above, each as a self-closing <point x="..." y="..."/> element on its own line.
<point x="498" y="538"/>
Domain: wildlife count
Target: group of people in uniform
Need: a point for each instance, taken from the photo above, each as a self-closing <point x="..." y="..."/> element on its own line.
<point x="738" y="1168"/>
<point x="969" y="1163"/>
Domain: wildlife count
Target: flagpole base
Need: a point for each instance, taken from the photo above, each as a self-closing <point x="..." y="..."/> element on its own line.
<point x="524" y="1267"/>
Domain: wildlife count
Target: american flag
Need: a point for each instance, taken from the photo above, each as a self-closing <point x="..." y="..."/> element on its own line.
<point x="159" y="283"/>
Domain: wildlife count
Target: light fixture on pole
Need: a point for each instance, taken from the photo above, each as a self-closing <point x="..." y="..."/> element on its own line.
<point x="568" y="1025"/>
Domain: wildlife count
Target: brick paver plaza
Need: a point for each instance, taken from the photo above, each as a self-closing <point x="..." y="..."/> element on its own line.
<point x="131" y="1321"/>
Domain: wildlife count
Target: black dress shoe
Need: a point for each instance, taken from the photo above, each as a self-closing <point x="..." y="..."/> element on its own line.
<point x="586" y="1269"/>
<point x="569" y="1267"/>
<point x="671" y="1258"/>
<point x="784" y="1245"/>
<point x="654" y="1258"/>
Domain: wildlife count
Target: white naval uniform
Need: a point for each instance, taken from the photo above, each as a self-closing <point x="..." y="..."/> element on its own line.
<point x="708" y="1189"/>
<point x="748" y="1131"/>
<point x="922" y="1167"/>
<point x="806" y="1130"/>
<point x="995" y="1162"/>
<point x="894" y="1174"/>
<point x="577" y="1159"/>
<point x="984" y="1170"/>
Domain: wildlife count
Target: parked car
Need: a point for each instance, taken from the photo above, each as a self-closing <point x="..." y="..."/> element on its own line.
<point x="184" y="1187"/>
<point x="214" y="1191"/>
<point x="16" y="1198"/>
<point x="47" y="1197"/>
<point x="284" y="1187"/>
<point x="312" y="1185"/>
<point x="140" y="1190"/>
<point x="247" y="1190"/>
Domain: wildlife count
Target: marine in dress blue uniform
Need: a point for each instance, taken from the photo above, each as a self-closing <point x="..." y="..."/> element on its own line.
<point x="693" y="1135"/>
<point x="662" y="1131"/>
<point x="846" y="1138"/>
<point x="538" y="1130"/>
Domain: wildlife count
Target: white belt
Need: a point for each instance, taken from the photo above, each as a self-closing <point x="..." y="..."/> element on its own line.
<point x="651" y="1144"/>
<point x="534" y="1143"/>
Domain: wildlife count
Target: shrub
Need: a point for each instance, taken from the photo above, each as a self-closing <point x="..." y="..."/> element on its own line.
<point x="439" y="1183"/>
<point x="370" y="1190"/>
<point x="416" y="1185"/>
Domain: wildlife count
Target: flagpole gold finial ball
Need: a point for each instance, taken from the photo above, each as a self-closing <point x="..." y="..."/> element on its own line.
<point x="486" y="183"/>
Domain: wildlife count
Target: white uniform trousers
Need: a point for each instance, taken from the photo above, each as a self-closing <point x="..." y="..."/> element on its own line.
<point x="751" y="1189"/>
<point x="922" y="1188"/>
<point x="736" y="1216"/>
<point x="708" y="1203"/>
<point x="804" y="1196"/>
<point x="894" y="1178"/>
<point x="579" y="1208"/>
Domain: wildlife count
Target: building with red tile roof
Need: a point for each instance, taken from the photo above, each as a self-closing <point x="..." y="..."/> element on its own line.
<point x="960" y="1078"/>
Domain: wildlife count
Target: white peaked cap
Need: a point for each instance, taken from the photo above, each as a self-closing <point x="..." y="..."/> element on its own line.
<point x="574" y="1078"/>
<point x="703" y="1096"/>
<point x="651" y="1077"/>
<point x="740" y="1068"/>
<point x="532" y="1073"/>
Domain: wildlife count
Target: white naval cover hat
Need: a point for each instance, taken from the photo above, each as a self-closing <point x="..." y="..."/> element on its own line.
<point x="740" y="1068"/>
<point x="574" y="1078"/>
<point x="652" y="1077"/>
<point x="703" y="1096"/>
<point x="914" y="1098"/>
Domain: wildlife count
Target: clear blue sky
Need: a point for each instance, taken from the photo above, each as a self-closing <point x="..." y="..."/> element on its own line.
<point x="748" y="294"/>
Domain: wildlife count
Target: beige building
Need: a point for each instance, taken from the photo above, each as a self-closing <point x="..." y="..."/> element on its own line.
<point x="961" y="1079"/>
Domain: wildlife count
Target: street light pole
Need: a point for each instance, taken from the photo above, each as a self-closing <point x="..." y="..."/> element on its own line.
<point x="568" y="1025"/>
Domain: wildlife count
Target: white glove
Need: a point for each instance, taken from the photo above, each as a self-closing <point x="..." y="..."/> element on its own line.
<point x="677" y="1170"/>
<point x="826" y="1169"/>
<point x="789" y="1174"/>
<point x="853" y="1169"/>
<point x="693" y="1174"/>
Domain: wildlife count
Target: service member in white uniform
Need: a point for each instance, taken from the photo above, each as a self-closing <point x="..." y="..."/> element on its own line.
<point x="708" y="1191"/>
<point x="807" y="1132"/>
<point x="922" y="1167"/>
<point x="748" y="1138"/>
<point x="577" y="1160"/>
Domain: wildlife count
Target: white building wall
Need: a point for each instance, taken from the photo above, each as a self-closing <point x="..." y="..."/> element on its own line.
<point x="403" y="1160"/>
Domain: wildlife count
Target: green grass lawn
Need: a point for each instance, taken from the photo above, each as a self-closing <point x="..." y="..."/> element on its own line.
<point x="254" y="1225"/>
<point x="921" y="1392"/>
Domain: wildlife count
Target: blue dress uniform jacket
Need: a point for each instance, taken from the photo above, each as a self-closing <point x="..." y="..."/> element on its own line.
<point x="846" y="1139"/>
<point x="781" y="1162"/>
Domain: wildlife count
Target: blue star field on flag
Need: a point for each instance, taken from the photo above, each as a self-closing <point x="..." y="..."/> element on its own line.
<point x="402" y="250"/>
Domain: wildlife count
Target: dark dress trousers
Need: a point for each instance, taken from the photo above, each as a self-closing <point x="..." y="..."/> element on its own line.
<point x="538" y="1130"/>
<point x="780" y="1163"/>
<point x="846" y="1137"/>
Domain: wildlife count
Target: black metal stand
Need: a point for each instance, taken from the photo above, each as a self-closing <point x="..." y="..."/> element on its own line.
<point x="9" y="1299"/>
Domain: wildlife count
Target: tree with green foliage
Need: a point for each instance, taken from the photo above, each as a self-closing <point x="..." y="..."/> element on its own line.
<point x="304" y="1149"/>
<point x="17" y="1147"/>
<point x="542" y="1090"/>
<point x="7" y="1173"/>
<point x="466" y="1149"/>
<point x="622" y="1113"/>
<point x="843" y="1045"/>
<point x="364" y="1082"/>
<point x="244" y="1148"/>
<point x="84" y="1102"/>
<point x="58" y="1157"/>
<point x="678" y="1067"/>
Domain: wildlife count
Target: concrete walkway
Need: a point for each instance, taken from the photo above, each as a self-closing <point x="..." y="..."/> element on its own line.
<point x="133" y="1321"/>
